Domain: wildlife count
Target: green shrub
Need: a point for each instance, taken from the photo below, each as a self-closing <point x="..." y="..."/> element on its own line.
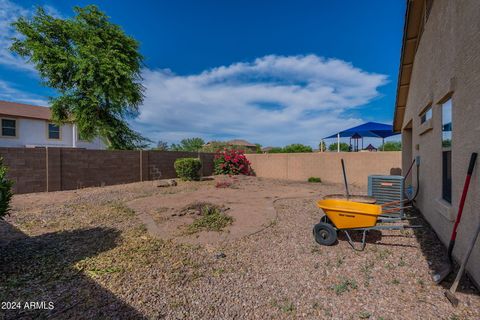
<point x="276" y="150"/>
<point x="314" y="179"/>
<point x="5" y="190"/>
<point x="188" y="168"/>
<point x="297" y="148"/>
<point x="391" y="146"/>
<point x="344" y="147"/>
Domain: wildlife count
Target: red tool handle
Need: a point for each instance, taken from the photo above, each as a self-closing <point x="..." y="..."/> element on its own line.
<point x="473" y="159"/>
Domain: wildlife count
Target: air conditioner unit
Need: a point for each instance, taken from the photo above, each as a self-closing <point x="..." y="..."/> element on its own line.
<point x="387" y="189"/>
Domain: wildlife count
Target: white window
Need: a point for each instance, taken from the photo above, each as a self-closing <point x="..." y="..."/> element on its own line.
<point x="447" y="150"/>
<point x="53" y="131"/>
<point x="9" y="127"/>
<point x="426" y="115"/>
<point x="447" y="124"/>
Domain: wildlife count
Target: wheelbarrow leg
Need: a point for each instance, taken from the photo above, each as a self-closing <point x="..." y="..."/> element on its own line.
<point x="352" y="244"/>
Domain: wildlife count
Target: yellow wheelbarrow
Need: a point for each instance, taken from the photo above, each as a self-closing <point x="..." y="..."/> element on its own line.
<point x="347" y="215"/>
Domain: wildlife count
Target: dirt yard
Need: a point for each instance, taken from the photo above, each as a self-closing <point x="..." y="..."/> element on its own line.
<point x="130" y="252"/>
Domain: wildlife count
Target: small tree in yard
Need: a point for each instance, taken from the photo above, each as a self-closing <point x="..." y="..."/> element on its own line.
<point x="94" y="68"/>
<point x="188" y="169"/>
<point x="5" y="190"/>
<point x="232" y="162"/>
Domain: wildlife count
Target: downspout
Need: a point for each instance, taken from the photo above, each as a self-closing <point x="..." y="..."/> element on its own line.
<point x="74" y="135"/>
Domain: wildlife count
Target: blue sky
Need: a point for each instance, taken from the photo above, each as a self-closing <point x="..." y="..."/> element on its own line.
<point x="272" y="72"/>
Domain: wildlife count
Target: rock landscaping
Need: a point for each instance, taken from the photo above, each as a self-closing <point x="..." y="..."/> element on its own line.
<point x="121" y="252"/>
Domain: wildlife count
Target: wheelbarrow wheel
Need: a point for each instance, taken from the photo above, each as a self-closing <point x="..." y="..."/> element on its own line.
<point x="325" y="234"/>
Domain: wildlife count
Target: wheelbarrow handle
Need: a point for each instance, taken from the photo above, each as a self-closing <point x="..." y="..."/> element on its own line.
<point x="393" y="202"/>
<point x="395" y="209"/>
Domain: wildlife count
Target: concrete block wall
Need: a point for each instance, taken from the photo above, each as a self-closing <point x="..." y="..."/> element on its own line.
<point x="87" y="168"/>
<point x="27" y="167"/>
<point x="325" y="165"/>
<point x="55" y="169"/>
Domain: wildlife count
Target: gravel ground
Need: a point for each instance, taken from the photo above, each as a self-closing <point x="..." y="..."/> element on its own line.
<point x="88" y="253"/>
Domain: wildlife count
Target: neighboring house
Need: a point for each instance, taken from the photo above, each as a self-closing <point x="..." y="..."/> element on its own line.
<point x="24" y="125"/>
<point x="438" y="113"/>
<point x="241" y="144"/>
<point x="266" y="149"/>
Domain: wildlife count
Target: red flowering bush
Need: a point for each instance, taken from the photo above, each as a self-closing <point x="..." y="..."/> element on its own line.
<point x="232" y="162"/>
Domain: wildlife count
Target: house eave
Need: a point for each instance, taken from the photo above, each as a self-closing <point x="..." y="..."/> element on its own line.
<point x="411" y="37"/>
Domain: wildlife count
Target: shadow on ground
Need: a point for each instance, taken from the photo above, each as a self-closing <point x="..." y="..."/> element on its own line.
<point x="373" y="237"/>
<point x="41" y="269"/>
<point x="436" y="253"/>
<point x="428" y="242"/>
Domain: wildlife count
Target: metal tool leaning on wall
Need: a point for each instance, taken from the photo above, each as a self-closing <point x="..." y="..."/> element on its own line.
<point x="450" y="294"/>
<point x="447" y="269"/>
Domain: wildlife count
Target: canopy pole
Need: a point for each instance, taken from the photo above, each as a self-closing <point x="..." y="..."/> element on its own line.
<point x="362" y="143"/>
<point x="338" y="142"/>
<point x="321" y="145"/>
<point x="383" y="144"/>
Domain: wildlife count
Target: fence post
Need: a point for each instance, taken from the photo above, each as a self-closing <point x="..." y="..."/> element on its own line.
<point x="46" y="167"/>
<point x="141" y="165"/>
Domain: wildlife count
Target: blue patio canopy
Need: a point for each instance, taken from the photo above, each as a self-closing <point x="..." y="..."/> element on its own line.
<point x="369" y="129"/>
<point x="366" y="130"/>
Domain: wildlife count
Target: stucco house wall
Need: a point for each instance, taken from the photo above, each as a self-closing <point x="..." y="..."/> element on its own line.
<point x="31" y="128"/>
<point x="34" y="132"/>
<point x="447" y="64"/>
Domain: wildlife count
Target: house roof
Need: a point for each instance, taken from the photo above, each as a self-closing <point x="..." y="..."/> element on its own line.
<point x="14" y="109"/>
<point x="412" y="30"/>
<point x="240" y="142"/>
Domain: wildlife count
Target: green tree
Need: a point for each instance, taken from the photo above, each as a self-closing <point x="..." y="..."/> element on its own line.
<point x="322" y="146"/>
<point x="94" y="68"/>
<point x="190" y="144"/>
<point x="5" y="190"/>
<point x="296" y="148"/>
<point x="161" y="146"/>
<point x="391" y="146"/>
<point x="276" y="150"/>
<point x="344" y="147"/>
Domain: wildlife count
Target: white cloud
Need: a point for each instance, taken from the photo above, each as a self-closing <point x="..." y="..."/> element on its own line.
<point x="9" y="93"/>
<point x="274" y="100"/>
<point x="10" y="12"/>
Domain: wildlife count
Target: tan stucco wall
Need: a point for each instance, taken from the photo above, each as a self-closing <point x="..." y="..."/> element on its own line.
<point x="448" y="60"/>
<point x="325" y="165"/>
